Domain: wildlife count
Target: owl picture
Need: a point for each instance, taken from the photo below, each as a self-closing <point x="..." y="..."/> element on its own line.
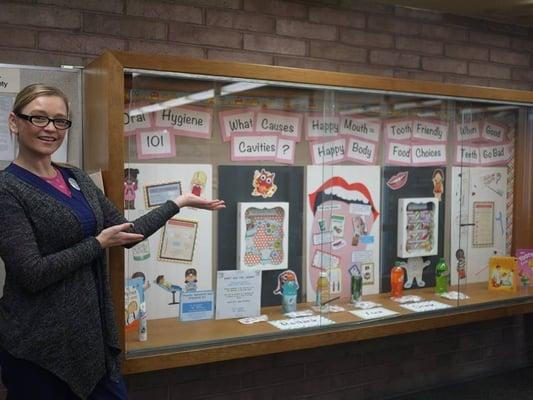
<point x="263" y="183"/>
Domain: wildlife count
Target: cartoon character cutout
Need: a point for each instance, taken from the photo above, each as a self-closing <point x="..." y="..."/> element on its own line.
<point x="130" y="187"/>
<point x="414" y="270"/>
<point x="139" y="274"/>
<point x="191" y="280"/>
<point x="353" y="201"/>
<point x="263" y="183"/>
<point x="438" y="183"/>
<point x="285" y="280"/>
<point x="198" y="182"/>
<point x="461" y="263"/>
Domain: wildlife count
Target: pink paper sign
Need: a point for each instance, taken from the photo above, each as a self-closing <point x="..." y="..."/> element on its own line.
<point x="398" y="129"/>
<point x="467" y="155"/>
<point x="236" y="121"/>
<point x="428" y="154"/>
<point x="398" y="153"/>
<point x="430" y="130"/>
<point x="252" y="147"/>
<point x="494" y="132"/>
<point x="468" y="131"/>
<point x="186" y="121"/>
<point x="285" y="151"/>
<point x="328" y="151"/>
<point x="361" y="151"/>
<point x="319" y="126"/>
<point x="361" y="127"/>
<point x="155" y="144"/>
<point x="286" y="124"/>
<point x="495" y="154"/>
<point x="133" y="123"/>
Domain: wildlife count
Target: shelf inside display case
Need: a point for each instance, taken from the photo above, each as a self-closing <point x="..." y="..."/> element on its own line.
<point x="218" y="338"/>
<point x="312" y="166"/>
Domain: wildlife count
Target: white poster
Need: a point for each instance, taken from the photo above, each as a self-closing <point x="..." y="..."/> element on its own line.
<point x="178" y="257"/>
<point x="479" y="221"/>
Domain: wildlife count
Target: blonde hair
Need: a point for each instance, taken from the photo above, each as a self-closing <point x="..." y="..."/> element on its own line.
<point x="31" y="92"/>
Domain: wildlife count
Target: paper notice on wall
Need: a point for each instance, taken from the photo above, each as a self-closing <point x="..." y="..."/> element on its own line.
<point x="9" y="80"/>
<point x="7" y="141"/>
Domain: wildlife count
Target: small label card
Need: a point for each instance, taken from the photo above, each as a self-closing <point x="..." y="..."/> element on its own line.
<point x="195" y="306"/>
<point x="258" y="148"/>
<point x="327" y="152"/>
<point x="493" y="131"/>
<point x="361" y="151"/>
<point x="467" y="155"/>
<point x="318" y="126"/>
<point x="365" y="128"/>
<point x="398" y="153"/>
<point x="236" y="121"/>
<point x="302" y="322"/>
<point x="285" y="124"/>
<point x="186" y="121"/>
<point x="238" y="294"/>
<point x="422" y="306"/>
<point x="155" y="144"/>
<point x="399" y="129"/>
<point x="428" y="154"/>
<point x="468" y="131"/>
<point x="132" y="123"/>
<point x="435" y="131"/>
<point x="371" y="313"/>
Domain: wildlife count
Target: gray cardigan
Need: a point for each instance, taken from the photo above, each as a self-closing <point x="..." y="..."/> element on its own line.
<point x="50" y="310"/>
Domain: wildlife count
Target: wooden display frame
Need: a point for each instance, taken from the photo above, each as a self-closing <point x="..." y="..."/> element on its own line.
<point x="104" y="150"/>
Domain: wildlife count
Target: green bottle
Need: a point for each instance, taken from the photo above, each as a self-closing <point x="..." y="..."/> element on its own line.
<point x="441" y="277"/>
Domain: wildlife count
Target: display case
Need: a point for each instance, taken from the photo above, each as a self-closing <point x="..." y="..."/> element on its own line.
<point x="329" y="180"/>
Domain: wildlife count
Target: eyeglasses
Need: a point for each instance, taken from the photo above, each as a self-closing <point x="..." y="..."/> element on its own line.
<point x="41" y="121"/>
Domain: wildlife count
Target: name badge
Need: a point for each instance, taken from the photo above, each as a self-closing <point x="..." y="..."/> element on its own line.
<point x="73" y="183"/>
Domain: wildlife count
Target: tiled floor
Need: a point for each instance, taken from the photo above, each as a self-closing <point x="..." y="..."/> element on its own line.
<point x="515" y="385"/>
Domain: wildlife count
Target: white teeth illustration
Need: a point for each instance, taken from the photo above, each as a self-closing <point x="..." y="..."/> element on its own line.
<point x="349" y="195"/>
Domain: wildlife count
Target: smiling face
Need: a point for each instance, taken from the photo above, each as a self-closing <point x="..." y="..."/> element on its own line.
<point x="39" y="142"/>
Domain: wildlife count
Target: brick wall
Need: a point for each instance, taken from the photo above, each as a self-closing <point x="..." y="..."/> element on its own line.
<point x="338" y="35"/>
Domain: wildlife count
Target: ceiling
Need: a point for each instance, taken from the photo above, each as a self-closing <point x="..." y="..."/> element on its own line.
<point x="516" y="12"/>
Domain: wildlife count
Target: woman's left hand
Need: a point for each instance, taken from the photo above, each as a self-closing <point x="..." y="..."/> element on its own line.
<point x="191" y="200"/>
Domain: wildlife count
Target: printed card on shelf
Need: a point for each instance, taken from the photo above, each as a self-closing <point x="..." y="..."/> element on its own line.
<point x="423" y="306"/>
<point x="373" y="313"/>
<point x="300" y="323"/>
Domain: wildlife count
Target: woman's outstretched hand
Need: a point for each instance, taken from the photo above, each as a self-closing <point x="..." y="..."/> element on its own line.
<point x="117" y="235"/>
<point x="191" y="200"/>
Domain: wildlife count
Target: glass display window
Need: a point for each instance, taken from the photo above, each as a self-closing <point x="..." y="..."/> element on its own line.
<point x="352" y="204"/>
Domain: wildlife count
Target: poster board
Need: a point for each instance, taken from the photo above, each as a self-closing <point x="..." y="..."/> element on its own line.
<point x="242" y="184"/>
<point x="178" y="257"/>
<point x="342" y="212"/>
<point x="479" y="221"/>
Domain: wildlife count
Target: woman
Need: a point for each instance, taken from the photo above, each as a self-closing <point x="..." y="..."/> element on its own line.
<point x="58" y="338"/>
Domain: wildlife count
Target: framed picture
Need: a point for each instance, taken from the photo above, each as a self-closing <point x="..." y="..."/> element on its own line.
<point x="155" y="195"/>
<point x="178" y="240"/>
<point x="263" y="231"/>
